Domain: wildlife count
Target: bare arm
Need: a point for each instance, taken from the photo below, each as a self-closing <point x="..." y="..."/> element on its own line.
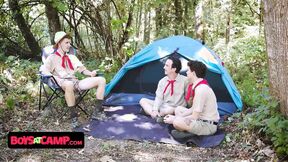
<point x="83" y="70"/>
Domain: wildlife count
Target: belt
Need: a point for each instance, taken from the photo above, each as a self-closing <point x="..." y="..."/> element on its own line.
<point x="209" y="121"/>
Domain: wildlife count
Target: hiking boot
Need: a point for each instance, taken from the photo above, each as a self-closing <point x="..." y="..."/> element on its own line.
<point x="142" y="112"/>
<point x="180" y="134"/>
<point x="74" y="117"/>
<point x="160" y="119"/>
<point x="97" y="115"/>
<point x="75" y="123"/>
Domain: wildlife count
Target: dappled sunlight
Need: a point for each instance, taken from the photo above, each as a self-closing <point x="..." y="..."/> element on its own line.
<point x="143" y="156"/>
<point x="146" y="125"/>
<point x="111" y="109"/>
<point x="162" y="53"/>
<point x="125" y="118"/>
<point x="169" y="140"/>
<point x="116" y="130"/>
<point x="206" y="55"/>
<point x="129" y="98"/>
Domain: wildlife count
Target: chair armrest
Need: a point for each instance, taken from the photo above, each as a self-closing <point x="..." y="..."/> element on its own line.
<point x="49" y="80"/>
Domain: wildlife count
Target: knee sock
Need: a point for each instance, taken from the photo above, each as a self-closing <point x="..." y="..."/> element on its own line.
<point x="73" y="113"/>
<point x="98" y="106"/>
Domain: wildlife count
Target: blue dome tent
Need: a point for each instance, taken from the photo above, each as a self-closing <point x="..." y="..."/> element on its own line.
<point x="140" y="75"/>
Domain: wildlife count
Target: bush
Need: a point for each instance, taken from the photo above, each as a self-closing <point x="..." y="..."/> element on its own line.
<point x="268" y="120"/>
<point x="18" y="82"/>
<point x="248" y="66"/>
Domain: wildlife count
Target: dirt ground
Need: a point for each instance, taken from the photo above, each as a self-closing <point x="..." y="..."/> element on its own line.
<point x="239" y="145"/>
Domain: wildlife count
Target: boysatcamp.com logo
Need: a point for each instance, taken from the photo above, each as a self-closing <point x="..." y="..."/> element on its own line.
<point x="46" y="140"/>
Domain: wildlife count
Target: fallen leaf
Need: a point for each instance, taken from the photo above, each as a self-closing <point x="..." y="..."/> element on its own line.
<point x="57" y="122"/>
<point x="91" y="138"/>
<point x="81" y="152"/>
<point x="86" y="129"/>
<point x="106" y="159"/>
<point x="259" y="143"/>
<point x="268" y="152"/>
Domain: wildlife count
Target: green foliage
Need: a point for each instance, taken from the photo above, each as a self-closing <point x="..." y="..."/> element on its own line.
<point x="60" y="5"/>
<point x="10" y="103"/>
<point x="106" y="66"/>
<point x="267" y="120"/>
<point x="19" y="83"/>
<point x="247" y="63"/>
<point x="246" y="12"/>
<point x="116" y="24"/>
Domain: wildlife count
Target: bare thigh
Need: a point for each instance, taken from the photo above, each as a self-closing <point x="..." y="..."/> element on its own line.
<point x="182" y="123"/>
<point x="91" y="82"/>
<point x="180" y="110"/>
<point x="166" y="109"/>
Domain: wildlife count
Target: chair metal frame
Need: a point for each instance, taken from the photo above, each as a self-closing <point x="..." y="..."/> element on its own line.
<point x="57" y="92"/>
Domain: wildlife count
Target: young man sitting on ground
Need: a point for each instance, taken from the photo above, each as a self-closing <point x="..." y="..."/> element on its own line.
<point x="202" y="118"/>
<point x="170" y="92"/>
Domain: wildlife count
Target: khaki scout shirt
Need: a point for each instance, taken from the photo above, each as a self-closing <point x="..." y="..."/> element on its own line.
<point x="177" y="99"/>
<point x="53" y="65"/>
<point x="205" y="103"/>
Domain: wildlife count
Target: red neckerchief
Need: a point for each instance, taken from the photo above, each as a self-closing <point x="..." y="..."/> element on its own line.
<point x="191" y="92"/>
<point x="64" y="59"/>
<point x="172" y="86"/>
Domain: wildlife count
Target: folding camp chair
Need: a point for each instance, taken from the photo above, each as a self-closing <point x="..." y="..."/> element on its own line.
<point x="49" y="83"/>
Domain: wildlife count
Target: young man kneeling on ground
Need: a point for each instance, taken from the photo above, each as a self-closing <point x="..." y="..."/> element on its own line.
<point x="202" y="118"/>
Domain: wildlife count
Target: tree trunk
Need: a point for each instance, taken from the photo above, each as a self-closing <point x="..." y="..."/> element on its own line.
<point x="25" y="30"/>
<point x="125" y="36"/>
<point x="261" y="9"/>
<point x="108" y="32"/>
<point x="228" y="27"/>
<point x="159" y="20"/>
<point x="147" y="24"/>
<point x="178" y="16"/>
<point x="14" y="49"/>
<point x="53" y="20"/>
<point x="199" y="24"/>
<point x="186" y="16"/>
<point x="276" y="33"/>
<point x="138" y="22"/>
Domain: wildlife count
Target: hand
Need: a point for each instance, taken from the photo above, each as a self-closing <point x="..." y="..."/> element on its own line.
<point x="154" y="113"/>
<point x="93" y="73"/>
<point x="187" y="121"/>
<point x="169" y="119"/>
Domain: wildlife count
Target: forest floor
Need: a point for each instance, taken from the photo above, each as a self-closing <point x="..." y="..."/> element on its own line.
<point x="239" y="144"/>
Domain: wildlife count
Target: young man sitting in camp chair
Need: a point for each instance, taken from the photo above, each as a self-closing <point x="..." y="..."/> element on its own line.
<point x="170" y="92"/>
<point x="202" y="118"/>
<point x="63" y="67"/>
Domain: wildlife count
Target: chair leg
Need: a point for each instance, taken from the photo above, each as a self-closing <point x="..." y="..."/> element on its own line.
<point x="85" y="112"/>
<point x="40" y="95"/>
<point x="60" y="118"/>
<point x="80" y="98"/>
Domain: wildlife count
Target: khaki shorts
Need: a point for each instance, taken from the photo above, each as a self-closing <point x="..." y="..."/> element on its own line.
<point x="74" y="81"/>
<point x="202" y="128"/>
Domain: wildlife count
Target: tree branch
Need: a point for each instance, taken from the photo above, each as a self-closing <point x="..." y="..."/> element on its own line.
<point x="251" y="9"/>
<point x="117" y="11"/>
<point x="36" y="18"/>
